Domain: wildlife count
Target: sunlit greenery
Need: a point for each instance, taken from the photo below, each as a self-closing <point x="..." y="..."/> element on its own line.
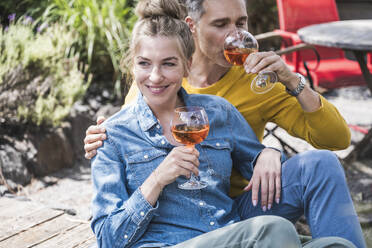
<point x="104" y="27"/>
<point x="44" y="56"/>
<point x="65" y="40"/>
<point x="64" y="34"/>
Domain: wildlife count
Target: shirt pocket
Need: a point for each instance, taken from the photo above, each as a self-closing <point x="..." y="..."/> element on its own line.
<point x="142" y="163"/>
<point x="216" y="153"/>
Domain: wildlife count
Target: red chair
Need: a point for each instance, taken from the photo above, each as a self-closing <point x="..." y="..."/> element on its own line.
<point x="333" y="70"/>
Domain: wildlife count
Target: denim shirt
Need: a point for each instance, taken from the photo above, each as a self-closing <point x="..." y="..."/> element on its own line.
<point x="135" y="146"/>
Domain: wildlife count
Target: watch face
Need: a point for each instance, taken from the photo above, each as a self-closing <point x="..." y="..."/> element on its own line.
<point x="302" y="78"/>
<point x="300" y="86"/>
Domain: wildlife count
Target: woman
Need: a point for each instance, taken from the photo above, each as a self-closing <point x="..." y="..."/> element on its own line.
<point x="136" y="200"/>
<point x="135" y="174"/>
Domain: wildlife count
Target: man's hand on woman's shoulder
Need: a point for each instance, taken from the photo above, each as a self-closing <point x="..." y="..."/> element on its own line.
<point x="95" y="135"/>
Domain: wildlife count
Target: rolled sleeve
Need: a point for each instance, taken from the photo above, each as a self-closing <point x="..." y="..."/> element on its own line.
<point x="140" y="209"/>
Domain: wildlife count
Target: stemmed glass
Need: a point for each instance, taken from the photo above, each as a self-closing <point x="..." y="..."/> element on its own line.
<point x="239" y="43"/>
<point x="190" y="126"/>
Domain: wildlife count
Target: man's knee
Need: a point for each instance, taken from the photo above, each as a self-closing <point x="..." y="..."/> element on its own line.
<point x="323" y="163"/>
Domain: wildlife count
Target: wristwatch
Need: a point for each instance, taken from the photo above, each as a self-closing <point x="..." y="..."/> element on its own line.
<point x="300" y="86"/>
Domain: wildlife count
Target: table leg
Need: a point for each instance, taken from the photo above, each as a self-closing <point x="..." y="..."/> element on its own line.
<point x="359" y="55"/>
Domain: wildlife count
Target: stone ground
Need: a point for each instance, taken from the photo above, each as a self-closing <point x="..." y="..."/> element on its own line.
<point x="70" y="189"/>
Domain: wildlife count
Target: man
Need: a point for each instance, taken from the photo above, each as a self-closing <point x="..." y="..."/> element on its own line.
<point x="299" y="110"/>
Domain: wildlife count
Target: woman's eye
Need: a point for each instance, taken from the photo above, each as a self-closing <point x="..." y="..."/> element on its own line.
<point x="143" y="63"/>
<point x="169" y="64"/>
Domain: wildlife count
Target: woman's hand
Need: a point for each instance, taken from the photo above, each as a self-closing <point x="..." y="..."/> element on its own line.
<point x="181" y="161"/>
<point x="270" y="61"/>
<point x="94" y="137"/>
<point x="267" y="173"/>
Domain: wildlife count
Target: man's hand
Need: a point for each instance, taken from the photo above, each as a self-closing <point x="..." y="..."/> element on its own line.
<point x="270" y="61"/>
<point x="94" y="137"/>
<point x="267" y="173"/>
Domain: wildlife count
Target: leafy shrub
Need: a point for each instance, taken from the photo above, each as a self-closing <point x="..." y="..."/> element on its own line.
<point x="263" y="15"/>
<point x="103" y="27"/>
<point x="40" y="75"/>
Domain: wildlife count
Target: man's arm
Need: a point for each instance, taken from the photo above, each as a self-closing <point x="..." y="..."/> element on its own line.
<point x="308" y="115"/>
<point x="323" y="128"/>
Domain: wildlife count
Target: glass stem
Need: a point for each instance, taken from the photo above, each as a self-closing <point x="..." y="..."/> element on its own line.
<point x="192" y="176"/>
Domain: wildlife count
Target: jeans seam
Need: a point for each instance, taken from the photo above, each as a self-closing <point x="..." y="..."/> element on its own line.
<point x="311" y="221"/>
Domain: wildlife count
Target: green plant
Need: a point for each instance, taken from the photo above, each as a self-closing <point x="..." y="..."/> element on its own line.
<point x="51" y="79"/>
<point x="103" y="27"/>
<point x="33" y="8"/>
<point x="263" y="15"/>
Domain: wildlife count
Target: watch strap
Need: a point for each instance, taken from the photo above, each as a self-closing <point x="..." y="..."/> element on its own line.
<point x="300" y="86"/>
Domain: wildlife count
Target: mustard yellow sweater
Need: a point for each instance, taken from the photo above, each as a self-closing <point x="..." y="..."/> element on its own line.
<point x="324" y="129"/>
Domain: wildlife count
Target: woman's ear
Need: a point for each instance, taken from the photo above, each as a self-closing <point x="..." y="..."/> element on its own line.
<point x="191" y="23"/>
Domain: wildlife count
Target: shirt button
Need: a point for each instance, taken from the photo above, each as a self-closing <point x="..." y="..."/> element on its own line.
<point x="211" y="223"/>
<point x="201" y="203"/>
<point x="162" y="142"/>
<point x="125" y="236"/>
<point x="217" y="144"/>
<point x="142" y="213"/>
<point x="158" y="126"/>
<point x="146" y="156"/>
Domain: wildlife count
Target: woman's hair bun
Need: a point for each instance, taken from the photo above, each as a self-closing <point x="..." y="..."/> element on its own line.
<point x="156" y="8"/>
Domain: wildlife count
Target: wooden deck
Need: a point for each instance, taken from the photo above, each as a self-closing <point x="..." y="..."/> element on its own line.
<point x="29" y="224"/>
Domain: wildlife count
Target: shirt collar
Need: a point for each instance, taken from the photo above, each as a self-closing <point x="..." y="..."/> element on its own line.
<point x="145" y="115"/>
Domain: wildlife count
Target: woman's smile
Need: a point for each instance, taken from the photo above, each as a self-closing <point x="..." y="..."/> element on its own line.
<point x="156" y="89"/>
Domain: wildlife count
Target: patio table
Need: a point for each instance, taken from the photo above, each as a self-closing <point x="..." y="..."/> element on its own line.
<point x="352" y="35"/>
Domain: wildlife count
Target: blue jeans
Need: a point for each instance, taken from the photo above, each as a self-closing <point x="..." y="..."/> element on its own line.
<point x="313" y="184"/>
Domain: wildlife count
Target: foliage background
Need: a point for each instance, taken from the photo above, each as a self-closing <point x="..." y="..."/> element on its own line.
<point x="101" y="31"/>
<point x="98" y="32"/>
<point x="40" y="77"/>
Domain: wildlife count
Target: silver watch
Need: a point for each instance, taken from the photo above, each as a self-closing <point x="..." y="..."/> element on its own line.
<point x="300" y="86"/>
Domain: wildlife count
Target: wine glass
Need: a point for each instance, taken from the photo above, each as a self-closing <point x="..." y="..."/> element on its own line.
<point x="239" y="43"/>
<point x="190" y="126"/>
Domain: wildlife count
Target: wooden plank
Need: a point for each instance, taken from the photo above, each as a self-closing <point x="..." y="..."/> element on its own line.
<point x="12" y="225"/>
<point x="12" y="207"/>
<point x="87" y="244"/>
<point x="80" y="236"/>
<point x="39" y="233"/>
